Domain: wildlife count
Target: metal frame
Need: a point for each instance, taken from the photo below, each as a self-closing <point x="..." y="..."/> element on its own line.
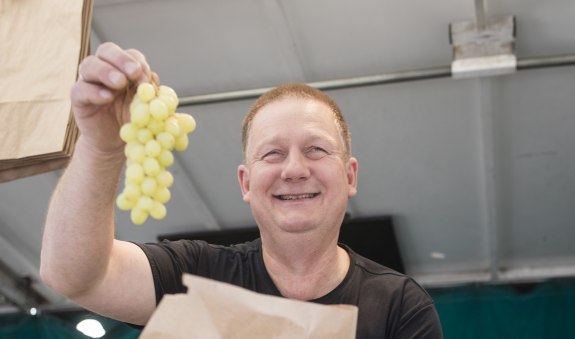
<point x="372" y="80"/>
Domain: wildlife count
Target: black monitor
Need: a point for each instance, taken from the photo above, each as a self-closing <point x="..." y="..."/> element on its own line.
<point x="372" y="237"/>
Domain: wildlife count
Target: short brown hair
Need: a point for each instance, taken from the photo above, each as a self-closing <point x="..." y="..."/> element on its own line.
<point x="296" y="90"/>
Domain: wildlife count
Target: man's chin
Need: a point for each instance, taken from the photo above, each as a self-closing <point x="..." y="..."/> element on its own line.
<point x="297" y="226"/>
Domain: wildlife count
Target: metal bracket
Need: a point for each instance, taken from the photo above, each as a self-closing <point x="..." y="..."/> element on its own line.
<point x="483" y="48"/>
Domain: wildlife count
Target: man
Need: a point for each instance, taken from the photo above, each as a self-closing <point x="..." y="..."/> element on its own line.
<point x="297" y="178"/>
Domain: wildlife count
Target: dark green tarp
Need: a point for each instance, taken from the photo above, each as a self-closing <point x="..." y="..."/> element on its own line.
<point x="541" y="311"/>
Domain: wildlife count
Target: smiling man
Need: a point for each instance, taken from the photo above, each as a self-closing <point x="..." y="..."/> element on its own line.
<point x="297" y="178"/>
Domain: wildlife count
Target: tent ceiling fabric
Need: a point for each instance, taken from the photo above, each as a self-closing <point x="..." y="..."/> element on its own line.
<point x="477" y="173"/>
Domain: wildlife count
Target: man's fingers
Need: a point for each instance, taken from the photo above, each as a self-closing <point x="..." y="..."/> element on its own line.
<point x="146" y="71"/>
<point x="113" y="67"/>
<point x="110" y="70"/>
<point x="129" y="63"/>
<point x="97" y="71"/>
<point x="85" y="93"/>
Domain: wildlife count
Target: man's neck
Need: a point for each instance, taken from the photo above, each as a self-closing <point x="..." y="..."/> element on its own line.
<point x="304" y="268"/>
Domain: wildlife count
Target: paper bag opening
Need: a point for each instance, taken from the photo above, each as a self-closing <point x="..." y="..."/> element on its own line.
<point x="212" y="309"/>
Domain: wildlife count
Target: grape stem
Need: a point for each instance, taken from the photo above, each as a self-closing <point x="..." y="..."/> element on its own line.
<point x="155" y="81"/>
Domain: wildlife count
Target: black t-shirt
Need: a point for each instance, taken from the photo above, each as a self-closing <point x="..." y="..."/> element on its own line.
<point x="391" y="305"/>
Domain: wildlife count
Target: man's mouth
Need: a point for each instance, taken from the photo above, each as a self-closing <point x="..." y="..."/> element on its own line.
<point x="296" y="196"/>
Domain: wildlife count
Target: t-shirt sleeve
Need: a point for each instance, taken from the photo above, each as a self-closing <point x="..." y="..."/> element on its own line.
<point x="169" y="260"/>
<point x="419" y="317"/>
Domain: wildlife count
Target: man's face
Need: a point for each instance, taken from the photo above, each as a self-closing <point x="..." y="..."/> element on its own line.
<point x="297" y="177"/>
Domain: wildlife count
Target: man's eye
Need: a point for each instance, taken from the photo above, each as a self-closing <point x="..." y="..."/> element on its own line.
<point x="316" y="149"/>
<point x="316" y="152"/>
<point x="271" y="155"/>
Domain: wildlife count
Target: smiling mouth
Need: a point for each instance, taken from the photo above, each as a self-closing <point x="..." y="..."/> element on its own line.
<point x="296" y="196"/>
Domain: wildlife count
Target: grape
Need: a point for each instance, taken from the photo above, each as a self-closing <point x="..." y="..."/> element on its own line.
<point x="172" y="126"/>
<point x="132" y="192"/>
<point x="165" y="179"/>
<point x="167" y="90"/>
<point x="144" y="135"/>
<point x="151" y="167"/>
<point x="162" y="195"/>
<point x="166" y="140"/>
<point x="149" y="186"/>
<point x="146" y="92"/>
<point x="186" y="122"/>
<point x="154" y="131"/>
<point x="135" y="173"/>
<point x="140" y="115"/>
<point x="124" y="203"/>
<point x="145" y="203"/>
<point x="135" y="102"/>
<point x="156" y="126"/>
<point x="153" y="148"/>
<point x="136" y="152"/>
<point x="128" y="132"/>
<point x="158" y="211"/>
<point x="138" y="216"/>
<point x="181" y="142"/>
<point x="158" y="109"/>
<point x="166" y="158"/>
<point x="169" y="100"/>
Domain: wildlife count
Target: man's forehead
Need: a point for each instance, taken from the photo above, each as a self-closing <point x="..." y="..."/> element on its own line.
<point x="293" y="106"/>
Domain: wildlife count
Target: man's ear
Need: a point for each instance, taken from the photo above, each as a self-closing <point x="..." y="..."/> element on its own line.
<point x="352" y="176"/>
<point x="244" y="180"/>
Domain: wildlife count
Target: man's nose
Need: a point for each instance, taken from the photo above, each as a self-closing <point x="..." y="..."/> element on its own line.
<point x="295" y="167"/>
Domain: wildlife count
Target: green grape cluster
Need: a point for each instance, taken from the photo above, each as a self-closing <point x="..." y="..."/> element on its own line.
<point x="154" y="131"/>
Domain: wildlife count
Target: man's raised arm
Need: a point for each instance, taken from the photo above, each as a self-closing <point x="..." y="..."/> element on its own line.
<point x="80" y="258"/>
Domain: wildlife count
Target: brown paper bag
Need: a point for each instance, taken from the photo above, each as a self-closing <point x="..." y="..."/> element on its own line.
<point x="212" y="309"/>
<point x="42" y="44"/>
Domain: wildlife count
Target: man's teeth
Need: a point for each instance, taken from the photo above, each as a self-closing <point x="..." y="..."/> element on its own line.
<point x="297" y="196"/>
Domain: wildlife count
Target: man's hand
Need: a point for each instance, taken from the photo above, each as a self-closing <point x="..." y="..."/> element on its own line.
<point x="103" y="92"/>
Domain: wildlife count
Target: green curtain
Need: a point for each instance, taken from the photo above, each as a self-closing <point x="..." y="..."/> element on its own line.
<point x="59" y="325"/>
<point x="545" y="310"/>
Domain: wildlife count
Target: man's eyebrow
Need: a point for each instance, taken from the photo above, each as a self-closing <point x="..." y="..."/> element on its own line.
<point x="273" y="140"/>
<point x="322" y="137"/>
<point x="278" y="140"/>
<point x="312" y="138"/>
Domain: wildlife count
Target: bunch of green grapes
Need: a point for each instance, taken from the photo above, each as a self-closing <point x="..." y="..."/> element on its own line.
<point x="154" y="130"/>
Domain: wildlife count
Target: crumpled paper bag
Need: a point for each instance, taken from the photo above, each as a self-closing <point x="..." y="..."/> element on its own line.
<point x="212" y="309"/>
